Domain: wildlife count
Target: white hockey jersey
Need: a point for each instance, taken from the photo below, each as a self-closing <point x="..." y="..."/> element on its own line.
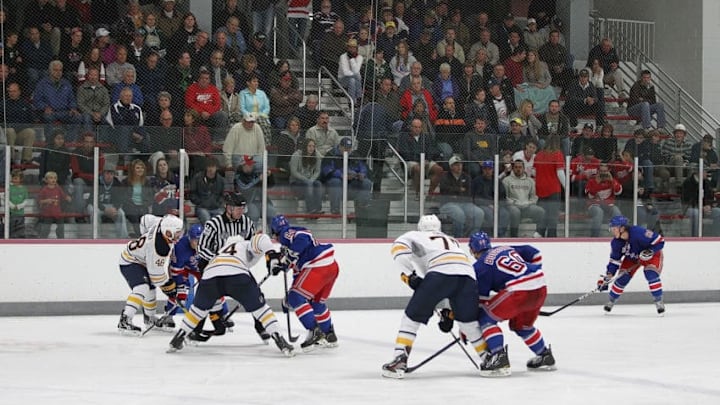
<point x="238" y="256"/>
<point x="152" y="251"/>
<point x="425" y="252"/>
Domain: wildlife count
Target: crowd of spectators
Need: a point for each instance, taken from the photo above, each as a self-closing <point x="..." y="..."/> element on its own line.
<point x="142" y="78"/>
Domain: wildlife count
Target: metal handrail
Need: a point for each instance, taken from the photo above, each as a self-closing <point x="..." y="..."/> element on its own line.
<point x="404" y="180"/>
<point x="335" y="80"/>
<point x="303" y="55"/>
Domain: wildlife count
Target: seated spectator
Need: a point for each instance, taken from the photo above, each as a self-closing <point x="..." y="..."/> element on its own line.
<point x="622" y="171"/>
<point x="54" y="100"/>
<point x="469" y="84"/>
<point x="704" y="150"/>
<point x="110" y="199"/>
<point x="51" y="198"/>
<point x="452" y="40"/>
<point x="554" y="122"/>
<point x="416" y="71"/>
<point x="376" y="69"/>
<point x="233" y="34"/>
<point x="138" y="195"/>
<point x="676" y="152"/>
<point x="205" y="99"/>
<point x="71" y="53"/>
<point x="255" y="100"/>
<point x="279" y="72"/>
<point x="536" y="83"/>
<point x="503" y="107"/>
<point x="358" y="183"/>
<point x="12" y="57"/>
<point x="127" y="132"/>
<point x="420" y="111"/>
<point x="531" y="124"/>
<point x="492" y="50"/>
<point x="17" y="201"/>
<point x="248" y="69"/>
<point x="514" y="67"/>
<point x="606" y="146"/>
<point x="217" y="68"/>
<point x="582" y="99"/>
<point x="533" y="37"/>
<point x="556" y="56"/>
<point x="527" y="156"/>
<point x="137" y="50"/>
<point x="286" y="142"/>
<point x="389" y="42"/>
<point x="128" y="81"/>
<point x="82" y="164"/>
<point x="643" y="102"/>
<point x="515" y="140"/>
<point x="167" y="138"/>
<point x="479" y="146"/>
<point x="183" y="36"/>
<point x="18" y="115"/>
<point x="417" y="92"/>
<point x="165" y="185"/>
<point x="587" y="138"/>
<point x="93" y="100"/>
<point x="114" y="70"/>
<point x="284" y="101"/>
<point x="164" y="102"/>
<point x="305" y="169"/>
<point x="56" y="158"/>
<point x="249" y="182"/>
<point x="151" y="79"/>
<point x="196" y="140"/>
<point x="601" y="191"/>
<point x="410" y="146"/>
<point x="206" y="191"/>
<point x="308" y="113"/>
<point x="521" y="199"/>
<point x="610" y="64"/>
<point x="483" y="195"/>
<point x="401" y="62"/>
<point x="456" y="198"/>
<point x="325" y="137"/>
<point x="449" y="128"/>
<point x="710" y="209"/>
<point x="582" y="168"/>
<point x="37" y="55"/>
<point x="200" y="51"/>
<point x="348" y="72"/>
<point x="230" y="101"/>
<point x="481" y="107"/>
<point x="264" y="55"/>
<point x="179" y="77"/>
<point x="445" y="86"/>
<point x="153" y="37"/>
<point x="244" y="138"/>
<point x="93" y="59"/>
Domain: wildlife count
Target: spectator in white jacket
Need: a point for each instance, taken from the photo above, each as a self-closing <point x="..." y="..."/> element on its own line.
<point x="244" y="138"/>
<point x="349" y="70"/>
<point x="521" y="198"/>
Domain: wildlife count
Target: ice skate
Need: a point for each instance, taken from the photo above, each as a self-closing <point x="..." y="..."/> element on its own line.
<point x="331" y="338"/>
<point x="165" y="323"/>
<point x="286" y="348"/>
<point x="177" y="342"/>
<point x="609" y="306"/>
<point x="126" y="327"/>
<point x="496" y="364"/>
<point x="544" y="361"/>
<point x="315" y="338"/>
<point x="397" y="367"/>
<point x="660" y="307"/>
<point x="264" y="335"/>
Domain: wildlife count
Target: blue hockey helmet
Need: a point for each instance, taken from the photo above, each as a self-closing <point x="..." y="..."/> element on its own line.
<point x="195" y="231"/>
<point x="278" y="224"/>
<point x="479" y="241"/>
<point x="618" y="220"/>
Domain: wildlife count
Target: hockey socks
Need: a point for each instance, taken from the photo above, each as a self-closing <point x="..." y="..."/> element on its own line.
<point x="533" y="339"/>
<point x="619" y="285"/>
<point x="322" y="316"/>
<point x="654" y="283"/>
<point x="267" y="318"/>
<point x="493" y="336"/>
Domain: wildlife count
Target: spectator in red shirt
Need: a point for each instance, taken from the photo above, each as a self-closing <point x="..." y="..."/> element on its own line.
<point x="203" y="97"/>
<point x="50" y="199"/>
<point x="549" y="181"/>
<point x="582" y="168"/>
<point x="416" y="91"/>
<point x="601" y="191"/>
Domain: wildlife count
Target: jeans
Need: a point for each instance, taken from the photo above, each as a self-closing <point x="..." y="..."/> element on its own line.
<point x="532" y="211"/>
<point x="312" y="192"/>
<point x="78" y="201"/>
<point x="120" y="221"/>
<point x="300" y="25"/>
<point x="645" y="110"/>
<point x="354" y="86"/>
<point x="551" y="205"/>
<point x="466" y="217"/>
<point x="597" y="214"/>
<point x="648" y="174"/>
<point x="358" y="190"/>
<point x="263" y="20"/>
<point x="692" y="214"/>
<point x="204" y="214"/>
<point x="503" y="220"/>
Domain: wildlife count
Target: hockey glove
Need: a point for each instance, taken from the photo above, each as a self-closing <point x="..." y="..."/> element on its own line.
<point x="412" y="280"/>
<point x="604" y="282"/>
<point x="646" y="255"/>
<point x="202" y="263"/>
<point x="273" y="262"/>
<point x="446" y="320"/>
<point x="170" y="289"/>
<point x="278" y="269"/>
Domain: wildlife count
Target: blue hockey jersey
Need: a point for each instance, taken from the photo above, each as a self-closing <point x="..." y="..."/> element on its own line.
<point x="304" y="251"/>
<point x="639" y="239"/>
<point x="513" y="268"/>
<point x="184" y="256"/>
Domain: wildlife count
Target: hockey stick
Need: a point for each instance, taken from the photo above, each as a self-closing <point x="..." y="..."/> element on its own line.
<point x="165" y="316"/>
<point x="461" y="346"/>
<point x="287" y="312"/>
<point x="432" y="356"/>
<point x="580" y="298"/>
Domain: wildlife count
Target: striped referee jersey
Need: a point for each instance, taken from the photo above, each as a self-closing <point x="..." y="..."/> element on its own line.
<point x="218" y="229"/>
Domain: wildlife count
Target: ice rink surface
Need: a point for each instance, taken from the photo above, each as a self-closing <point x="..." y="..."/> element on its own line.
<point x="631" y="356"/>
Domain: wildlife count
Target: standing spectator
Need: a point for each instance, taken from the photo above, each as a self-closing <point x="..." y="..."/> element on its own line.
<point x="18" y="116"/>
<point x="456" y="197"/>
<point x="554" y="122"/>
<point x="82" y="164"/>
<point x="110" y="198"/>
<point x="704" y="150"/>
<point x="127" y="124"/>
<point x="54" y="99"/>
<point x="349" y="71"/>
<point x="205" y="99"/>
<point x="373" y="132"/>
<point x="183" y="37"/>
<point x="263" y="14"/>
<point x="606" y="146"/>
<point x="556" y="56"/>
<point x="298" y="15"/>
<point x="151" y="79"/>
<point x="550" y="182"/>
<point x="179" y="77"/>
<point x="206" y="191"/>
<point x="358" y="183"/>
<point x="196" y="140"/>
<point x="56" y="158"/>
<point x="93" y="100"/>
<point x="676" y="152"/>
<point x="309" y="113"/>
<point x="93" y="59"/>
<point x="17" y="201"/>
<point x="643" y="102"/>
<point x="610" y="63"/>
<point x="640" y="146"/>
<point x="582" y="99"/>
<point x="521" y="199"/>
<point x="71" y="54"/>
<point x="138" y="195"/>
<point x="284" y="101"/>
<point x="50" y="199"/>
<point x="709" y="207"/>
<point x="325" y="137"/>
<point x="244" y="138"/>
<point x="410" y="146"/>
<point x="169" y="21"/>
<point x="601" y="191"/>
<point x="37" y="55"/>
<point x="305" y="169"/>
<point x="153" y="37"/>
<point x="483" y="195"/>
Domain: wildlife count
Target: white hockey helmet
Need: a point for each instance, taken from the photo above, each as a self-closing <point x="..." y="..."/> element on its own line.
<point x="171" y="228"/>
<point x="429" y="223"/>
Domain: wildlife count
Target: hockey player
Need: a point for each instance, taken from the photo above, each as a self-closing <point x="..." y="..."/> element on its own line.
<point x="233" y="222"/>
<point x="514" y="273"/>
<point x="228" y="274"/>
<point x="183" y="265"/>
<point x="144" y="263"/>
<point x="314" y="273"/>
<point x="445" y="271"/>
<point x="630" y="248"/>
